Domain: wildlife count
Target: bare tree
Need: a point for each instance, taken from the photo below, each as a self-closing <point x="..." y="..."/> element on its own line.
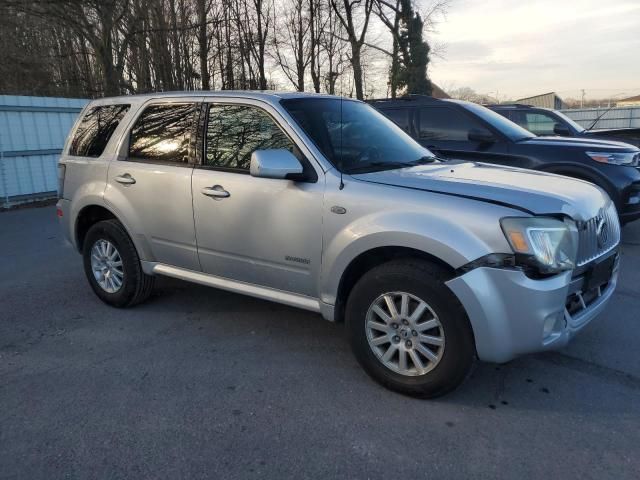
<point x="291" y="40"/>
<point x="354" y="16"/>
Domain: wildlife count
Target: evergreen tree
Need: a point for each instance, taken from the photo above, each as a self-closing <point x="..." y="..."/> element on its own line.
<point x="410" y="55"/>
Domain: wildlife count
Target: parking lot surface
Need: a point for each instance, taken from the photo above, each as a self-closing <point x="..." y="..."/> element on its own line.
<point x="201" y="383"/>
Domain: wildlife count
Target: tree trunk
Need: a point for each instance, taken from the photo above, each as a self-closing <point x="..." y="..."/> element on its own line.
<point x="203" y="45"/>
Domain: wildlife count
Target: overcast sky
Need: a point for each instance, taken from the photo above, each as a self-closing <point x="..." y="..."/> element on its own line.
<point x="522" y="48"/>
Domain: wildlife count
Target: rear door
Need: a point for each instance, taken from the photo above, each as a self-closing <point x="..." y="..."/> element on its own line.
<point x="256" y="230"/>
<point x="149" y="185"/>
<point x="445" y="131"/>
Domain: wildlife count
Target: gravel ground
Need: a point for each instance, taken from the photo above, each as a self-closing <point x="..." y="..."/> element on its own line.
<point x="201" y="383"/>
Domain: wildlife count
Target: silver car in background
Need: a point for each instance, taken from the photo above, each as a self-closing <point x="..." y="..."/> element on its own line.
<point x="322" y="203"/>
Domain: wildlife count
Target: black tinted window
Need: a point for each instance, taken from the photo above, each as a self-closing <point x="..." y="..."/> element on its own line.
<point x="400" y="117"/>
<point x="163" y="133"/>
<point x="96" y="129"/>
<point x="441" y="123"/>
<point x="234" y="132"/>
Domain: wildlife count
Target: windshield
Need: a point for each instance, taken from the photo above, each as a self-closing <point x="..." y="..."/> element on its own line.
<point x="355" y="137"/>
<point x="579" y="128"/>
<point x="512" y="130"/>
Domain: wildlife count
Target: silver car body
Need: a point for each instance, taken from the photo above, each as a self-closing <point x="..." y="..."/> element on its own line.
<point x="292" y="242"/>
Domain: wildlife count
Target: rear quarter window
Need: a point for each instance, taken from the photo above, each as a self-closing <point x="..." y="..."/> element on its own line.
<point x="95" y="130"/>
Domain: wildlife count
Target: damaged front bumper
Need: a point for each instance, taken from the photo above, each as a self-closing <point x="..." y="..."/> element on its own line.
<point x="512" y="314"/>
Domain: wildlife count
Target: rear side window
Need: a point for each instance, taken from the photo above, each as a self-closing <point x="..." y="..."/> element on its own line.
<point x="163" y="134"/>
<point x="234" y="132"/>
<point x="399" y="116"/>
<point x="441" y="123"/>
<point x="95" y="130"/>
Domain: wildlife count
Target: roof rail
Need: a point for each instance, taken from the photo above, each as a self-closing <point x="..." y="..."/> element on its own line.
<point x="509" y="105"/>
<point x="406" y="98"/>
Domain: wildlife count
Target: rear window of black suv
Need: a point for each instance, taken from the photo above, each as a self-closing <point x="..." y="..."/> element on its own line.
<point x="95" y="130"/>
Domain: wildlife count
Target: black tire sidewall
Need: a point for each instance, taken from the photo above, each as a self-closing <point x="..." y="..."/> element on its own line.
<point x="114" y="233"/>
<point x="459" y="351"/>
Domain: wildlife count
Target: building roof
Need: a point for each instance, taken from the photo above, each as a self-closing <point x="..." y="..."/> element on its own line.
<point x="437" y="92"/>
<point x="630" y="99"/>
<point x="546" y="100"/>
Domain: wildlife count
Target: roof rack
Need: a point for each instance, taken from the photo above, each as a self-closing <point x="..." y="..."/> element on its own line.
<point x="509" y="105"/>
<point x="406" y="98"/>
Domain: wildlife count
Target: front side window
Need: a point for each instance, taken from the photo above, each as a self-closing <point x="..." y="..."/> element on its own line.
<point x="95" y="130"/>
<point x="234" y="132"/>
<point x="354" y="136"/>
<point x="506" y="127"/>
<point x="163" y="134"/>
<point x="443" y="123"/>
<point x="537" y="123"/>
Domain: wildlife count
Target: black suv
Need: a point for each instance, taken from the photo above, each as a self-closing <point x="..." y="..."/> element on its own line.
<point x="545" y="122"/>
<point x="454" y="129"/>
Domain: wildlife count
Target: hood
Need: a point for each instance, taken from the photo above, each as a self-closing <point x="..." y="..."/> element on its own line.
<point x="534" y="192"/>
<point x="585" y="143"/>
<point x="624" y="135"/>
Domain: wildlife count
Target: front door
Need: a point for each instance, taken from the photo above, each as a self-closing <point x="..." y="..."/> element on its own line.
<point x="149" y="186"/>
<point x="445" y="131"/>
<point x="256" y="230"/>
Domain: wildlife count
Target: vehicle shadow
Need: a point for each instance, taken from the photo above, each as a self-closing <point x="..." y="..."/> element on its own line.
<point x="549" y="382"/>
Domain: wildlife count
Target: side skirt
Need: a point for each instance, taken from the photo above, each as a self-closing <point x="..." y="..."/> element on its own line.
<point x="264" y="293"/>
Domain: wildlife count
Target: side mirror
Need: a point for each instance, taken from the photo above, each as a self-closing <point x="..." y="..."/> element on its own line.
<point x="277" y="163"/>
<point x="562" y="130"/>
<point x="481" y="135"/>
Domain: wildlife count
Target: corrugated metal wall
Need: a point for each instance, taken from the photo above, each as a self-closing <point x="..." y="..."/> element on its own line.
<point x="32" y="133"/>
<point x="623" y="117"/>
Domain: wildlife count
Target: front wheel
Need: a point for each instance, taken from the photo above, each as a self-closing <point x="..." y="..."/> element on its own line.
<point x="408" y="330"/>
<point x="112" y="265"/>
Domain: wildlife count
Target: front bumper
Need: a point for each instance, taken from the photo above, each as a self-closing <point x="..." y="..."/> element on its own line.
<point x="512" y="314"/>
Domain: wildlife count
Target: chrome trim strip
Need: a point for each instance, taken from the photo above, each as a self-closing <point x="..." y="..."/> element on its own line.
<point x="264" y="293"/>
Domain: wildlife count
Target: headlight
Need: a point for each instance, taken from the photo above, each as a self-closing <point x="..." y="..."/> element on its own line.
<point x="628" y="158"/>
<point x="548" y="244"/>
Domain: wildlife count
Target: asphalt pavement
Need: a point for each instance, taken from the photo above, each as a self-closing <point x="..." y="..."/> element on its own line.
<point x="201" y="383"/>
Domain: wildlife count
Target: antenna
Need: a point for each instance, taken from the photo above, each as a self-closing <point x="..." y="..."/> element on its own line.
<point x="341" y="187"/>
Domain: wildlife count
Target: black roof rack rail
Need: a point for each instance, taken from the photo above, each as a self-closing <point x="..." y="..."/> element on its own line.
<point x="406" y="98"/>
<point x="509" y="105"/>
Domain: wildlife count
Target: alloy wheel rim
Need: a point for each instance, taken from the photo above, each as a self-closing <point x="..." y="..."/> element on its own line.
<point x="405" y="334"/>
<point x="106" y="265"/>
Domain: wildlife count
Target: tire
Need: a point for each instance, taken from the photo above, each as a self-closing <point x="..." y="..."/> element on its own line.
<point x="135" y="286"/>
<point x="420" y="281"/>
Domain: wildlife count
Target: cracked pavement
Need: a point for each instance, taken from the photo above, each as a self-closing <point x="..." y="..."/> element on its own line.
<point x="201" y="383"/>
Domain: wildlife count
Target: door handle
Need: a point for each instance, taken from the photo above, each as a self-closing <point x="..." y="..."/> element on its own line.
<point x="125" y="179"/>
<point x="217" y="191"/>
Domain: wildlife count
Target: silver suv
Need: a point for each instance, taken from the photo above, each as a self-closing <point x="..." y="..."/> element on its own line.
<point x="322" y="203"/>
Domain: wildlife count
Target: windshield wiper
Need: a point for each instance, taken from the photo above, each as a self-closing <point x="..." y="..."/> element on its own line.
<point x="380" y="166"/>
<point x="424" y="160"/>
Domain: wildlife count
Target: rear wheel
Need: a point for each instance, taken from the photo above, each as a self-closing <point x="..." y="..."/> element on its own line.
<point x="408" y="330"/>
<point x="112" y="265"/>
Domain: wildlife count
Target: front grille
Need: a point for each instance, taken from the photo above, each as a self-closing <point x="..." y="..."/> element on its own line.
<point x="599" y="235"/>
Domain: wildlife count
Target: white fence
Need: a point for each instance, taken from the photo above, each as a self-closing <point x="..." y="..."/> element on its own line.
<point x="623" y="117"/>
<point x="32" y="134"/>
